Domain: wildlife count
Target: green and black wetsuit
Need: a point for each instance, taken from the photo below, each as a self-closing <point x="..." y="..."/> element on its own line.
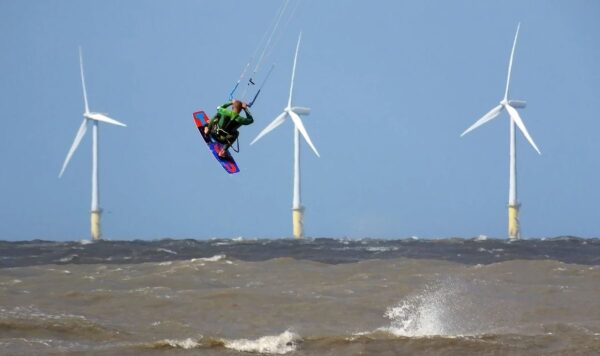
<point x="223" y="127"/>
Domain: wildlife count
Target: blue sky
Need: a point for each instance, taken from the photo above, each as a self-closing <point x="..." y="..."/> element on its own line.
<point x="391" y="84"/>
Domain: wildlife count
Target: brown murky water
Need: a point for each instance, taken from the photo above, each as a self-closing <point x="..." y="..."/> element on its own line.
<point x="282" y="305"/>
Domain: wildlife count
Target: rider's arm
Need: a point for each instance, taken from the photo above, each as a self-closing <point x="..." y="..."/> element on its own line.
<point x="246" y="120"/>
<point x="226" y="105"/>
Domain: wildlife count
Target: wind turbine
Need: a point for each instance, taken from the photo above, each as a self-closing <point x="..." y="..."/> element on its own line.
<point x="510" y="106"/>
<point x="293" y="113"/>
<point x="92" y="118"/>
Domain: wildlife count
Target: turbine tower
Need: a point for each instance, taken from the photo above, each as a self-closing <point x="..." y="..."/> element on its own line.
<point x="293" y="113"/>
<point x="514" y="230"/>
<point x="94" y="118"/>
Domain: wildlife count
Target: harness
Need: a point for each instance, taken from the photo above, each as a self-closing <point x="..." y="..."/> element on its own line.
<point x="220" y="134"/>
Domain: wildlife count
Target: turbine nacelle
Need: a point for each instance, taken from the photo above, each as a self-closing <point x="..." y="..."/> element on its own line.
<point x="517" y="104"/>
<point x="300" y="110"/>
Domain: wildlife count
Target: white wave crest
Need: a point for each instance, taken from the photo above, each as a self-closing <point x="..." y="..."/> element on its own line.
<point x="186" y="344"/>
<point x="214" y="258"/>
<point x="276" y="344"/>
<point x="381" y="248"/>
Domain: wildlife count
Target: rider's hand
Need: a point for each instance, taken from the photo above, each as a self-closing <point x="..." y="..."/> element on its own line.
<point x="244" y="105"/>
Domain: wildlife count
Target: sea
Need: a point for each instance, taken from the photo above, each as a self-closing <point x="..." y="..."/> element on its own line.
<point x="321" y="296"/>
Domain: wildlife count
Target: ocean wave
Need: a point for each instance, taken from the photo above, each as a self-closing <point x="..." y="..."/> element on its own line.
<point x="381" y="248"/>
<point x="30" y="321"/>
<point x="327" y="250"/>
<point x="275" y="344"/>
<point x="185" y="344"/>
<point x="68" y="259"/>
<point x="280" y="344"/>
<point x="378" y="342"/>
<point x="41" y="346"/>
<point x="215" y="258"/>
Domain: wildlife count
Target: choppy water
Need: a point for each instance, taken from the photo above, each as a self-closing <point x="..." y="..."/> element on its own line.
<point x="312" y="297"/>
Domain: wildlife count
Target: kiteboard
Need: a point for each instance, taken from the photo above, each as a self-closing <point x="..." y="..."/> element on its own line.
<point x="227" y="162"/>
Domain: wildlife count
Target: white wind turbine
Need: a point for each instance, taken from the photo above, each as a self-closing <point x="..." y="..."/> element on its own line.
<point x="94" y="118"/>
<point x="293" y="113"/>
<point x="510" y="105"/>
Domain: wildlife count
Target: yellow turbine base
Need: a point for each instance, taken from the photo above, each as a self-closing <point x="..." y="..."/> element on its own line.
<point x="298" y="221"/>
<point x="96" y="233"/>
<point x="514" y="231"/>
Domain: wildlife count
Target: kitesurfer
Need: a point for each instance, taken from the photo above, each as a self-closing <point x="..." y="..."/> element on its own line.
<point x="223" y="127"/>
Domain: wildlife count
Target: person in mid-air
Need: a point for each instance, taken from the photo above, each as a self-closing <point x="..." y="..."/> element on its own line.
<point x="223" y="127"/>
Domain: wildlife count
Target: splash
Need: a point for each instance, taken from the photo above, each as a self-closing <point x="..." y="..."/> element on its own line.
<point x="446" y="309"/>
<point x="276" y="344"/>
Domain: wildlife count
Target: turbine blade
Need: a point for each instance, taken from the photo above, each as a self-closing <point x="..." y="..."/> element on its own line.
<point x="514" y="115"/>
<point x="487" y="117"/>
<point x="512" y="53"/>
<point x="294" y="70"/>
<point x="103" y="118"/>
<point x="87" y="109"/>
<point x="278" y="121"/>
<point x="78" y="137"/>
<point x="300" y="126"/>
